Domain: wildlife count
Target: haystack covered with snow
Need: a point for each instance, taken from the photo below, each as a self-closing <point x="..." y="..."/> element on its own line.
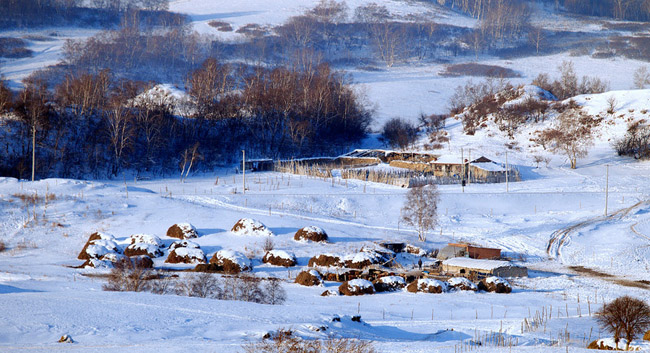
<point x="309" y="278"/>
<point x="357" y="287"/>
<point x="251" y="227"/>
<point x="182" y="231"/>
<point x="389" y="283"/>
<point x="232" y="262"/>
<point x="461" y="283"/>
<point x="427" y="285"/>
<point x="365" y="258"/>
<point x="311" y="233"/>
<point x="325" y="260"/>
<point x="280" y="258"/>
<point x="147" y="249"/>
<point x="103" y="244"/>
<point x="495" y="284"/>
<point x="146" y="239"/>
<point x="186" y="255"/>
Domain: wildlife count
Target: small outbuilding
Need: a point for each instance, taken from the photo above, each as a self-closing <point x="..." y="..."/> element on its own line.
<point x="475" y="268"/>
<point x="467" y="250"/>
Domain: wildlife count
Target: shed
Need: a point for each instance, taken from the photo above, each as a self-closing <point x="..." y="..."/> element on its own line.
<point x="467" y="250"/>
<point x="475" y="268"/>
<point x="478" y="252"/>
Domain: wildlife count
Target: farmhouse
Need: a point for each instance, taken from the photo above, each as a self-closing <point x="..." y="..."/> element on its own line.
<point x="468" y="250"/>
<point x="475" y="268"/>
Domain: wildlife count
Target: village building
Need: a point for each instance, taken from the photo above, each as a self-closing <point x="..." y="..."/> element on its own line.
<point x="476" y="268"/>
<point x="467" y="250"/>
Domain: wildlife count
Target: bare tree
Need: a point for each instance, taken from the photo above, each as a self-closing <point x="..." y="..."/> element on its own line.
<point x="624" y="317"/>
<point x="421" y="209"/>
<point x="536" y="37"/>
<point x="188" y="158"/>
<point x="120" y="130"/>
<point x="572" y="134"/>
<point x="641" y="77"/>
<point x="388" y="35"/>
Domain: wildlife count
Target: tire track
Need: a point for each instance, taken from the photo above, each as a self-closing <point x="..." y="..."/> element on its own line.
<point x="561" y="237"/>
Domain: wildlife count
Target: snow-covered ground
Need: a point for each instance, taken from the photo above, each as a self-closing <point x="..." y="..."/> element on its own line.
<point x="44" y="298"/>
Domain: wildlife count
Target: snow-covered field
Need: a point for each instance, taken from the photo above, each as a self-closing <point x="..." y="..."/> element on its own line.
<point x="44" y="298"/>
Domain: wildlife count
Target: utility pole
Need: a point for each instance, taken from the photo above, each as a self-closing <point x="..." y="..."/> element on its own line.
<point x="507" y="190"/>
<point x="33" y="149"/>
<point x="469" y="167"/>
<point x="243" y="165"/>
<point x="462" y="173"/>
<point x="606" y="187"/>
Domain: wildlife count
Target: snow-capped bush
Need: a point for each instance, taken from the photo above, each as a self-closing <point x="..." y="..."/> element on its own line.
<point x="183" y="244"/>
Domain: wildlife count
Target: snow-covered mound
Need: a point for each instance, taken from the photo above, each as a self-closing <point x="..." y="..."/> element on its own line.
<point x="182" y="231"/>
<point x="461" y="283"/>
<point x="146" y="239"/>
<point x="251" y="227"/>
<point x="311" y="233"/>
<point x="427" y="285"/>
<point x="309" y="278"/>
<point x="148" y="249"/>
<point x="280" y="258"/>
<point x="232" y="261"/>
<point x="186" y="256"/>
<point x="357" y="287"/>
<point x="389" y="283"/>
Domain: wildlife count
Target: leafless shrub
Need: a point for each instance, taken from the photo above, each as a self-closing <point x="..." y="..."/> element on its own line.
<point x="268" y="245"/>
<point x="204" y="285"/>
<point x="275" y="294"/>
<point x="624" y="317"/>
<point x="636" y="142"/>
<point x="612" y="104"/>
<point x="129" y="275"/>
<point x="568" y="84"/>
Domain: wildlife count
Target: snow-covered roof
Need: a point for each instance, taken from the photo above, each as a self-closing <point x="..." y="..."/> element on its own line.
<point x="487" y="265"/>
<point x="489" y="166"/>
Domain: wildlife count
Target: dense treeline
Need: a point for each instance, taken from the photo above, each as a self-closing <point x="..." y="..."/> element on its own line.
<point x="635" y="10"/>
<point x="100" y="13"/>
<point x="99" y="124"/>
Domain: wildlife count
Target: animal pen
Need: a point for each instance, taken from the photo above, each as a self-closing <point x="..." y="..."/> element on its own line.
<point x="404" y="169"/>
